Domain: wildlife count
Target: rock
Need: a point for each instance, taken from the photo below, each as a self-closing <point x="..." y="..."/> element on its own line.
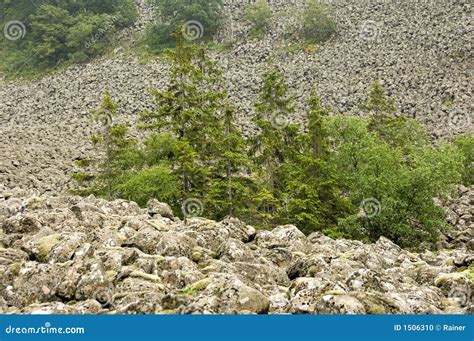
<point x="146" y="240"/>
<point x="21" y="223"/>
<point x="234" y="250"/>
<point x="339" y="304"/>
<point x="162" y="209"/>
<point x="175" y="244"/>
<point x="283" y="236"/>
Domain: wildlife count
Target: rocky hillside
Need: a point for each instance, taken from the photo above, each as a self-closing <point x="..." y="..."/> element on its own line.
<point x="61" y="254"/>
<point x="73" y="255"/>
<point x="420" y="50"/>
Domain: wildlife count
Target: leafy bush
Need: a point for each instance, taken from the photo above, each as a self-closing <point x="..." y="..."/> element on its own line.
<point x="259" y="15"/>
<point x="391" y="190"/>
<point x="318" y="23"/>
<point x="58" y="32"/>
<point x="202" y="18"/>
<point x="154" y="182"/>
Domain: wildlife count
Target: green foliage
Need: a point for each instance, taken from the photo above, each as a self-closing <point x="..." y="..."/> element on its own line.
<point x="319" y="25"/>
<point x="350" y="177"/>
<point x="259" y="15"/>
<point x="172" y="16"/>
<point x="397" y="131"/>
<point x="378" y="103"/>
<point x="191" y="112"/>
<point x="465" y="146"/>
<point x="268" y="146"/>
<point x="60" y="31"/>
<point x="229" y="188"/>
<point x="313" y="202"/>
<point x="154" y="182"/>
<point x="402" y="183"/>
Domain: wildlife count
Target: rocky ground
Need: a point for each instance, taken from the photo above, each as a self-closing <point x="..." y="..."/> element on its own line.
<point x="63" y="254"/>
<point x="420" y="50"/>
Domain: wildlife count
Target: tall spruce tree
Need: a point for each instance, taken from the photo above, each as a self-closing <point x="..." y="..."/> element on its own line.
<point x="269" y="146"/>
<point x="117" y="153"/>
<point x="230" y="188"/>
<point x="313" y="202"/>
<point x="190" y="108"/>
<point x="397" y="131"/>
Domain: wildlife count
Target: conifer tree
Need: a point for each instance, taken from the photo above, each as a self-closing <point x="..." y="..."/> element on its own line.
<point x="313" y="202"/>
<point x="230" y="187"/>
<point x="397" y="131"/>
<point x="269" y="146"/>
<point x="190" y="108"/>
<point x="378" y="103"/>
<point x="117" y="152"/>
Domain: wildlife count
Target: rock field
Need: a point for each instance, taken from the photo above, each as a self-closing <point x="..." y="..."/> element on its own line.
<point x="72" y="255"/>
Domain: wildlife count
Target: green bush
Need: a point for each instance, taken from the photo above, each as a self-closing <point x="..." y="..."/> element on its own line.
<point x="155" y="182"/>
<point x="391" y="187"/>
<point x="200" y="17"/>
<point x="318" y="23"/>
<point x="259" y="15"/>
<point x="59" y="32"/>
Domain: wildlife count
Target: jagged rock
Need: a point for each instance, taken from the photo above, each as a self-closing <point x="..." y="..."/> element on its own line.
<point x="146" y="240"/>
<point x="228" y="294"/>
<point x="339" y="304"/>
<point x="21" y="223"/>
<point x="162" y="209"/>
<point x="283" y="236"/>
<point x="234" y="250"/>
<point x="175" y="244"/>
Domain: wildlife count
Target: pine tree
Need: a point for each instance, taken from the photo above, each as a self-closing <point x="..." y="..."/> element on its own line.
<point x="397" y="131"/>
<point x="313" y="202"/>
<point x="382" y="109"/>
<point x="190" y="108"/>
<point x="230" y="186"/>
<point x="117" y="152"/>
<point x="378" y="103"/>
<point x="105" y="115"/>
<point x="269" y="146"/>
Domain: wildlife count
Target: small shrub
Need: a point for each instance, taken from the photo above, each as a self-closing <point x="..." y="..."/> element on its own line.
<point x="202" y="17"/>
<point x="259" y="16"/>
<point x="319" y="25"/>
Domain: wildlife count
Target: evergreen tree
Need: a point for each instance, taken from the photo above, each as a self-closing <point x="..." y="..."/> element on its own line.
<point x="269" y="146"/>
<point x="397" y="131"/>
<point x="117" y="153"/>
<point x="378" y="103"/>
<point x="230" y="188"/>
<point x="191" y="109"/>
<point x="313" y="202"/>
